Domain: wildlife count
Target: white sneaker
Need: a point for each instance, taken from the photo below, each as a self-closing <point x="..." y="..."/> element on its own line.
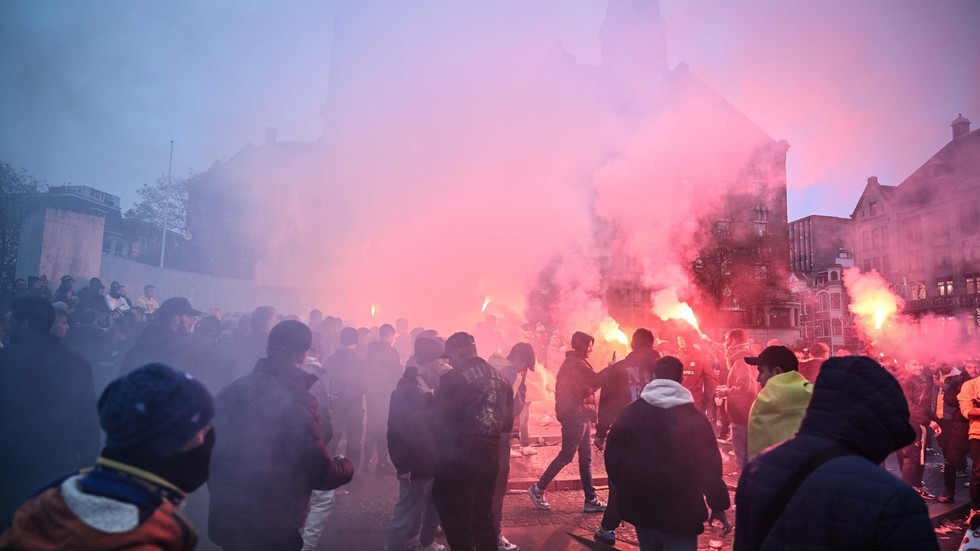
<point x="528" y="450"/>
<point x="515" y="453"/>
<point x="537" y="497"/>
<point x="504" y="545"/>
<point x="434" y="546"/>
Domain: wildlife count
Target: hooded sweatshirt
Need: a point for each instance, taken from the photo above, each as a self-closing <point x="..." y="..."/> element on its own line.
<point x="662" y="456"/>
<point x="778" y="411"/>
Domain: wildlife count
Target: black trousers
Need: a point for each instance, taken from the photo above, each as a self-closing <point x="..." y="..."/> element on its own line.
<point x="463" y="494"/>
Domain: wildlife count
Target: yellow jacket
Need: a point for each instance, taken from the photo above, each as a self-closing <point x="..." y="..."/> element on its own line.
<point x="778" y="411"/>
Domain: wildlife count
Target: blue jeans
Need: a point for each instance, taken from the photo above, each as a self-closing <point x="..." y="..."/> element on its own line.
<point x="575" y="436"/>
<point x="414" y="499"/>
<point x="740" y="444"/>
<point x="655" y="540"/>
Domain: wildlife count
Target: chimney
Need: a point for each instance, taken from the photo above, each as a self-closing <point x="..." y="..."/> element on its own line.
<point x="270" y="134"/>
<point x="872" y="180"/>
<point x="961" y="126"/>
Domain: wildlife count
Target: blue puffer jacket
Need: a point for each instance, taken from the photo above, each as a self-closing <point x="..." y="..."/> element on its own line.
<point x="849" y="502"/>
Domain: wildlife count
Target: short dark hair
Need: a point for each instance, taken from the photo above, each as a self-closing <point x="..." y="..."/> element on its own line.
<point x="386" y="330"/>
<point x="348" y="336"/>
<point x="35" y="314"/>
<point x="289" y="338"/>
<point x="642" y="338"/>
<point x="669" y="367"/>
<point x="261" y="317"/>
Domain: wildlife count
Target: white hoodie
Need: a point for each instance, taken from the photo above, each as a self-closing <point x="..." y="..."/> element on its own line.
<point x="665" y="393"/>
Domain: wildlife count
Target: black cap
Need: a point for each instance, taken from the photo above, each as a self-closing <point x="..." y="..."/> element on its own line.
<point x="776" y="356"/>
<point x="176" y="306"/>
<point x="457" y="341"/>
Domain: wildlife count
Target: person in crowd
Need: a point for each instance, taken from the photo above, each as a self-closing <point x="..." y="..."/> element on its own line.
<point x="699" y="373"/>
<point x="779" y="407"/>
<point x="271" y="452"/>
<point x="148" y="303"/>
<point x="857" y="416"/>
<point x="664" y="462"/>
<point x="954" y="439"/>
<point x="347" y="388"/>
<point x="321" y="501"/>
<point x="166" y="341"/>
<point x="412" y="446"/>
<point x="157" y="422"/>
<point x="622" y="383"/>
<point x="472" y="410"/>
<point x="382" y="370"/>
<point x="429" y="358"/>
<point x="575" y="409"/>
<point x="740" y="392"/>
<point x="65" y="292"/>
<point x="93" y="296"/>
<point x="513" y="368"/>
<point x="842" y="352"/>
<point x="37" y="286"/>
<point x="917" y="387"/>
<point x="48" y="422"/>
<point x="810" y="368"/>
<point x="969" y="403"/>
<point x="89" y="339"/>
<point x="404" y="342"/>
<point x="59" y="328"/>
<point x="116" y="301"/>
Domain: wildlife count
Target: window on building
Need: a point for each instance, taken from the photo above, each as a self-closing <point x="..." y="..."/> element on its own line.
<point x="107" y="246"/>
<point x="913" y="230"/>
<point x="835" y="301"/>
<point x="760" y="213"/>
<point x="971" y="284"/>
<point x="873" y="208"/>
<point x="836" y="327"/>
<point x="723" y="226"/>
<point x="866" y="265"/>
<point x="823" y="302"/>
<point x="762" y="271"/>
<point x="943" y="255"/>
<point x="865" y="241"/>
<point x="760" y="228"/>
<point x="885" y="238"/>
<point x="876" y="264"/>
<point x="876" y="238"/>
<point x="915" y="261"/>
<point x="886" y="265"/>
<point x="834" y="276"/>
<point x="945" y="286"/>
<point x="117" y="249"/>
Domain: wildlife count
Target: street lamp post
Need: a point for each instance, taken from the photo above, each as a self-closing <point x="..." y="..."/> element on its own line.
<point x="163" y="240"/>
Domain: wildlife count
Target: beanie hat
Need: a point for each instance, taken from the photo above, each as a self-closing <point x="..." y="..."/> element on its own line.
<point x="153" y="411"/>
<point x="428" y="349"/>
<point x="581" y="341"/>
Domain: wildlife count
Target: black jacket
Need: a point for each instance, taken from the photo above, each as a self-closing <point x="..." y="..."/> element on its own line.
<point x="663" y="459"/>
<point x="575" y="389"/>
<point x="161" y="344"/>
<point x="410" y="443"/>
<point x="345" y="371"/>
<point x="849" y="502"/>
<point x="268" y="456"/>
<point x="382" y="371"/>
<point x="48" y="420"/>
<point x="622" y="383"/>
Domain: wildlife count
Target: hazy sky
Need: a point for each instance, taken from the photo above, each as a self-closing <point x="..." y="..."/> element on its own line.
<point x="93" y="92"/>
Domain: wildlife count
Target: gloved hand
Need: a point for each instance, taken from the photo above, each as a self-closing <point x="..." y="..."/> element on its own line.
<point x="600" y="443"/>
<point x="722" y="519"/>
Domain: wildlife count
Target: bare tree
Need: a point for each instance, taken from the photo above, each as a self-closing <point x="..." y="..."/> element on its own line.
<point x="163" y="204"/>
<point x="14" y="186"/>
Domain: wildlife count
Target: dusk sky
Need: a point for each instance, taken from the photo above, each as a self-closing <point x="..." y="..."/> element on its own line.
<point x="93" y="92"/>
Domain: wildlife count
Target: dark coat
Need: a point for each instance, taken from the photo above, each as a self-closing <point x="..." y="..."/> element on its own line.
<point x="622" y="383"/>
<point x="345" y="370"/>
<point x="664" y="462"/>
<point x="575" y="389"/>
<point x="269" y="455"/>
<point x="160" y="344"/>
<point x="410" y="443"/>
<point x="49" y="425"/>
<point x="849" y="502"/>
<point x="382" y="371"/>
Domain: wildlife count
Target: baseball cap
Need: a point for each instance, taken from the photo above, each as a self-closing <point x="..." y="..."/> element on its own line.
<point x="775" y="356"/>
<point x="176" y="306"/>
<point x="457" y="341"/>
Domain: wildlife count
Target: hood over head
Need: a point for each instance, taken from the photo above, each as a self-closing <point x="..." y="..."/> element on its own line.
<point x="858" y="403"/>
<point x="665" y="393"/>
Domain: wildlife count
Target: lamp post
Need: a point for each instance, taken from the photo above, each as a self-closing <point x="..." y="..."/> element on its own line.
<point x="163" y="240"/>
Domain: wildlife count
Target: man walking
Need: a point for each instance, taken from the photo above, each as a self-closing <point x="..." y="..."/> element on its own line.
<point x="740" y="393"/>
<point x="778" y="409"/>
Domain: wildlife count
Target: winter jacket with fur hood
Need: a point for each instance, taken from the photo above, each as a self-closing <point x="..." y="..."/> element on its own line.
<point x="663" y="459"/>
<point x="849" y="502"/>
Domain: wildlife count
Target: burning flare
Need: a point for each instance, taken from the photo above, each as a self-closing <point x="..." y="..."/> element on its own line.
<point x="610" y="332"/>
<point x="374" y="309"/>
<point x="872" y="301"/>
<point x="667" y="306"/>
<point x="486" y="302"/>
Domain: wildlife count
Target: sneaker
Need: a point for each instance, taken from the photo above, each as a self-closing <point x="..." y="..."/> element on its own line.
<point x="602" y="535"/>
<point x="434" y="546"/>
<point x="515" y="453"/>
<point x="504" y="545"/>
<point x="528" y="450"/>
<point x="594" y="506"/>
<point x="537" y="496"/>
<point x="947" y="497"/>
<point x="925" y="493"/>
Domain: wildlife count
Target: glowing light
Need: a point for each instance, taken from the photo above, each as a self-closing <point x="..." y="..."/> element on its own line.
<point x="667" y="306"/>
<point x="610" y="332"/>
<point x="486" y="302"/>
<point x="872" y="301"/>
<point x="374" y="309"/>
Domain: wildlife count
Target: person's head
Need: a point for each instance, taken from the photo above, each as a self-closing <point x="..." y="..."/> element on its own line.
<point x="159" y="419"/>
<point x="59" y="328"/>
<point x="262" y="320"/>
<point x="429" y="349"/>
<point x="522" y="356"/>
<point x="841" y="352"/>
<point x="348" y="337"/>
<point x="316" y="317"/>
<point x="176" y="313"/>
<point x="387" y="333"/>
<point x="149" y="291"/>
<point x="773" y="361"/>
<point x="643" y="339"/>
<point x="735" y="337"/>
<point x="33" y="282"/>
<point x="945" y="368"/>
<point x="67" y="282"/>
<point x="116" y="289"/>
<point x="460" y="347"/>
<point x="288" y="342"/>
<point x="582" y="343"/>
<point x="20" y="285"/>
<point x="208" y="327"/>
<point x="819" y="351"/>
<point x="913" y="367"/>
<point x="972" y="367"/>
<point x="30" y="315"/>
<point x="670" y="368"/>
<point x="401" y="325"/>
<point x="215" y="313"/>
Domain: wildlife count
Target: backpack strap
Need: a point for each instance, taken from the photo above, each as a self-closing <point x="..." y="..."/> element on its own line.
<point x="774" y="509"/>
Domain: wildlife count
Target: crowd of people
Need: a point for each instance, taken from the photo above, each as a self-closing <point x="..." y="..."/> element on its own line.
<point x="275" y="413"/>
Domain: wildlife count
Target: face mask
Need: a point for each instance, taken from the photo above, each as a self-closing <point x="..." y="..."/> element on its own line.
<point x="188" y="470"/>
